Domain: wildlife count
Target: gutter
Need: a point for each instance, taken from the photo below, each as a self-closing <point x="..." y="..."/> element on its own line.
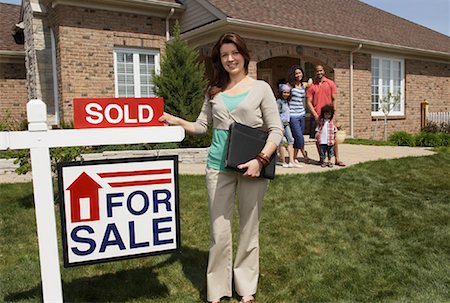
<point x="12" y="56"/>
<point x="6" y="53"/>
<point x="351" y="88"/>
<point x="167" y="23"/>
<point x="142" y="7"/>
<point x="108" y="2"/>
<point x="292" y="34"/>
<point x="340" y="38"/>
<point x="54" y="78"/>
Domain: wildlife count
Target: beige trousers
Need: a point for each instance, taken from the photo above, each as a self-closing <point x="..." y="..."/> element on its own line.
<point x="222" y="187"/>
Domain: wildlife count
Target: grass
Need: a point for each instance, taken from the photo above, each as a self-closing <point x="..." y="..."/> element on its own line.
<point x="374" y="232"/>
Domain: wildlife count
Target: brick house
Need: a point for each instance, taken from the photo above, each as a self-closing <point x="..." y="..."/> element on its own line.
<point x="108" y="48"/>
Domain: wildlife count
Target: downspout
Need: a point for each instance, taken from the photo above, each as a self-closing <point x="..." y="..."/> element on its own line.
<point x="351" y="89"/>
<point x="55" y="77"/>
<point x="167" y="23"/>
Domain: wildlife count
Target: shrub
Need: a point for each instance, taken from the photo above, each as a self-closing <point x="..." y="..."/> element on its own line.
<point x="402" y="139"/>
<point x="428" y="139"/>
<point x="444" y="139"/>
<point x="433" y="127"/>
<point x="445" y="128"/>
<point x="10" y="123"/>
<point x="182" y="84"/>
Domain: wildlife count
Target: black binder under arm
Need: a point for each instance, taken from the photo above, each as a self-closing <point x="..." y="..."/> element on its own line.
<point x="244" y="143"/>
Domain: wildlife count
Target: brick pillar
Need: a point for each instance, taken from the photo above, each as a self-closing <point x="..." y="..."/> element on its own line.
<point x="38" y="57"/>
<point x="252" y="69"/>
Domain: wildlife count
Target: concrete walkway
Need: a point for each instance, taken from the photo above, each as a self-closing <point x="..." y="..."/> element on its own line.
<point x="350" y="155"/>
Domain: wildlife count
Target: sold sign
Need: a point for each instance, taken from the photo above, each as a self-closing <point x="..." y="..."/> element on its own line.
<point x="117" y="112"/>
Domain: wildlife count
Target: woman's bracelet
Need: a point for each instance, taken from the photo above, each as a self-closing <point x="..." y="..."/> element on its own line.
<point x="263" y="158"/>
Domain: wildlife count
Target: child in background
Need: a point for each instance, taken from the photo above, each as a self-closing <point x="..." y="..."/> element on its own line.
<point x="283" y="109"/>
<point x="326" y="133"/>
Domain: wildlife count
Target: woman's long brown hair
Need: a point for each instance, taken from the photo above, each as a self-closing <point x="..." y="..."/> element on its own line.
<point x="220" y="77"/>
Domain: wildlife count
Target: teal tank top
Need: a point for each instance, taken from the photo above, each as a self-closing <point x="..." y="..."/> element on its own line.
<point x="217" y="150"/>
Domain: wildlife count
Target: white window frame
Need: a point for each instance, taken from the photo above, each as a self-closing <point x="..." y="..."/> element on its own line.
<point x="136" y="72"/>
<point x="401" y="111"/>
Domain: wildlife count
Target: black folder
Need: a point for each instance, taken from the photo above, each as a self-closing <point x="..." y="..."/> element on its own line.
<point x="244" y="143"/>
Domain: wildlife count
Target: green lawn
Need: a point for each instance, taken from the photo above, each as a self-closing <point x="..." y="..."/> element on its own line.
<point x="374" y="232"/>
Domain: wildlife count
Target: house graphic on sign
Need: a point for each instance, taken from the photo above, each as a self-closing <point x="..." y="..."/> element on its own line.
<point x="84" y="190"/>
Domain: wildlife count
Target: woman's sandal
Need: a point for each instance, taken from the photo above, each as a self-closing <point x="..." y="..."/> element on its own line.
<point x="340" y="163"/>
<point x="306" y="158"/>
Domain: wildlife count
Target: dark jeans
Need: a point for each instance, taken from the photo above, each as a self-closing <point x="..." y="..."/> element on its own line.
<point x="297" y="126"/>
<point x="326" y="150"/>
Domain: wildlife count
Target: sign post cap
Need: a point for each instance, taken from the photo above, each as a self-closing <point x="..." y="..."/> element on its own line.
<point x="37" y="115"/>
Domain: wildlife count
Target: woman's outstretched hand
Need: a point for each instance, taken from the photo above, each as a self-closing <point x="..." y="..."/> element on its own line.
<point x="169" y="119"/>
<point x="253" y="168"/>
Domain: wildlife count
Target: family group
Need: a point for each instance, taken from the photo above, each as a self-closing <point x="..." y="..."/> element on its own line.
<point x="317" y="96"/>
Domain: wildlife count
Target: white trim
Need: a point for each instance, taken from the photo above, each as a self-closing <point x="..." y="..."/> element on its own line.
<point x="335" y="37"/>
<point x="142" y="7"/>
<point x="400" y="112"/>
<point x="167" y="24"/>
<point x="136" y="72"/>
<point x="136" y="75"/>
<point x="38" y="9"/>
<point x="55" y="78"/>
<point x="9" y="56"/>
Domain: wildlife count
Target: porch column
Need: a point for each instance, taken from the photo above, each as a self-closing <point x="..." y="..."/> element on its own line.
<point x="252" y="69"/>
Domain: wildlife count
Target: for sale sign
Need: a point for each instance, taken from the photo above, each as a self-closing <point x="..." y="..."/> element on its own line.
<point x="117" y="112"/>
<point x="119" y="209"/>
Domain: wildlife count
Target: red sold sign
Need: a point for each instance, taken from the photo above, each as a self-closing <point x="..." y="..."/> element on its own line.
<point x="117" y="112"/>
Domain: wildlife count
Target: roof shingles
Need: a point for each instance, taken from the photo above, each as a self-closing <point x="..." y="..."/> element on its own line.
<point x="9" y="16"/>
<point x="348" y="18"/>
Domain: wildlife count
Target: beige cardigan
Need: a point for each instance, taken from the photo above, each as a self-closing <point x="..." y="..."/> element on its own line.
<point x="258" y="109"/>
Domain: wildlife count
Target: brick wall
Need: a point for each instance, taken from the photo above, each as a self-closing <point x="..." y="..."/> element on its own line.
<point x="362" y="90"/>
<point x="430" y="81"/>
<point x="13" y="91"/>
<point x="85" y="42"/>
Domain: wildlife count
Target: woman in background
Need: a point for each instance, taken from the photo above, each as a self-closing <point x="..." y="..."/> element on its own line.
<point x="298" y="110"/>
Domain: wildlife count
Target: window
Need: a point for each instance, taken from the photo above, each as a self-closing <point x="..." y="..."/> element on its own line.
<point x="387" y="79"/>
<point x="133" y="72"/>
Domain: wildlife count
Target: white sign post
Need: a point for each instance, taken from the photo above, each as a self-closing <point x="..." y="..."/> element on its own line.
<point x="39" y="139"/>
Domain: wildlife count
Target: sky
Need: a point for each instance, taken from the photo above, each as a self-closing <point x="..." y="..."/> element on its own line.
<point x="434" y="14"/>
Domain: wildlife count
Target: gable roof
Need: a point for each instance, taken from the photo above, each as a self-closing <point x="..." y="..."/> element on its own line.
<point x="9" y="16"/>
<point x="350" y="20"/>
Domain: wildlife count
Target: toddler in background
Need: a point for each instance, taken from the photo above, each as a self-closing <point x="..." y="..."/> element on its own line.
<point x="326" y="134"/>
